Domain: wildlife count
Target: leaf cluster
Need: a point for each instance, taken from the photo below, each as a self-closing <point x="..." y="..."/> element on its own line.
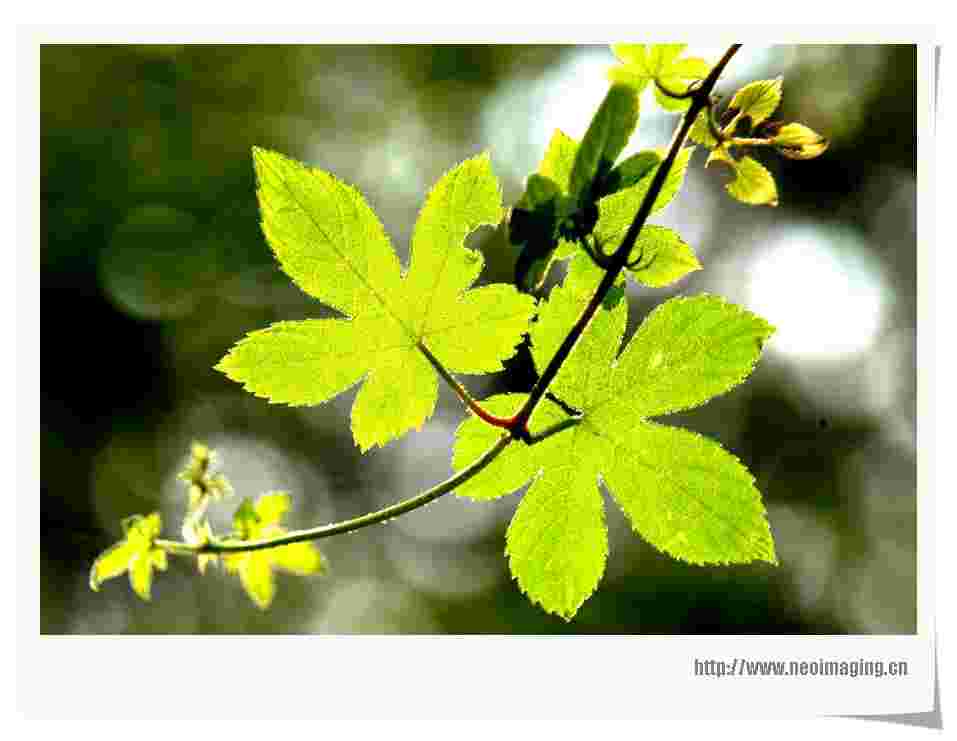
<point x="746" y="125"/>
<point x="582" y="196"/>
<point x="141" y="552"/>
<point x="401" y="328"/>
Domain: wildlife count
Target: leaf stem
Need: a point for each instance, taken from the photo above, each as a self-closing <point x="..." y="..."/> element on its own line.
<point x="700" y="99"/>
<point x="689" y="93"/>
<point x="463" y="394"/>
<point x="345" y="526"/>
<point x="181" y="548"/>
<point x="749" y="142"/>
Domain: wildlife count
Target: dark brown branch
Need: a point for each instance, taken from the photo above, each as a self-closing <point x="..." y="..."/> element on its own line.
<point x="700" y="99"/>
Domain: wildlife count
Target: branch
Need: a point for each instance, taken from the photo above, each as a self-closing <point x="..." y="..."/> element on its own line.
<point x="689" y="93"/>
<point x="700" y="99"/>
<point x="462" y="393"/>
<point x="180" y="548"/>
<point x="716" y="132"/>
<point x="346" y="526"/>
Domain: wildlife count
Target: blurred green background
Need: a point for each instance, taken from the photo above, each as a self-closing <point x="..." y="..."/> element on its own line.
<point x="153" y="265"/>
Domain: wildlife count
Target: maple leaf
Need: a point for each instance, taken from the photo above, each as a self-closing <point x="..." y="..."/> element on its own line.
<point x="681" y="491"/>
<point x="134" y="554"/>
<point x="255" y="568"/>
<point x="329" y="241"/>
<point x="642" y="64"/>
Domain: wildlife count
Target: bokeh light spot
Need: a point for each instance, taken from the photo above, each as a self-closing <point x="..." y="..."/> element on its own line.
<point x="823" y="291"/>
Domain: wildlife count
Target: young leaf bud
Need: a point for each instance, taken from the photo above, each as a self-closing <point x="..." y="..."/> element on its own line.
<point x="797" y="142"/>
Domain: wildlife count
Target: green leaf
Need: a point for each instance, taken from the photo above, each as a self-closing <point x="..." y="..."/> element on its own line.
<point x="545" y="203"/>
<point x="687" y="351"/>
<point x="681" y="492"/>
<point x="632" y="170"/>
<point x="245" y="520"/>
<point x="797" y="142"/>
<point x="141" y="570"/>
<point x="686" y="495"/>
<point x="565" y="305"/>
<point x="633" y="175"/>
<point x="721" y="154"/>
<point x="298" y="558"/>
<point x="198" y="465"/>
<point x="616" y="212"/>
<point x="255" y="568"/>
<point x="752" y="183"/>
<point x="677" y="78"/>
<point x="559" y="160"/>
<point x="660" y="58"/>
<point x="330" y="243"/>
<point x="663" y="257"/>
<point x="557" y="541"/>
<point x="255" y="574"/>
<point x="112" y="562"/>
<point x="607" y="135"/>
<point x="271" y="507"/>
<point x="200" y="479"/>
<point x="325" y="235"/>
<point x="632" y="179"/>
<point x="700" y="132"/>
<point x="756" y="100"/>
<point x="565" y="250"/>
<point x="539" y="190"/>
<point x="134" y="554"/>
<point x="643" y="64"/>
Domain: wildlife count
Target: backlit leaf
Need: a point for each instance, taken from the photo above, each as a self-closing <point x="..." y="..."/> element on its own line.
<point x="677" y="78"/>
<point x="753" y="183"/>
<point x="798" y="142"/>
<point x="632" y="170"/>
<point x="330" y="243"/>
<point x="259" y="521"/>
<point x="700" y="132"/>
<point x="559" y="160"/>
<point x="662" y="257"/>
<point x="756" y="100"/>
<point x="134" y="554"/>
<point x="642" y="65"/>
<point x="617" y="211"/>
<point x="681" y="492"/>
<point x="605" y="139"/>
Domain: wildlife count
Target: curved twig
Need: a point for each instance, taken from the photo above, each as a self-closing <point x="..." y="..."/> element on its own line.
<point x="700" y="99"/>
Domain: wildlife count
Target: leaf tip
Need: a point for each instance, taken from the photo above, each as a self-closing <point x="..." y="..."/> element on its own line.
<point x="94" y="579"/>
<point x="260" y="155"/>
<point x="263" y="602"/>
<point x="230" y="366"/>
